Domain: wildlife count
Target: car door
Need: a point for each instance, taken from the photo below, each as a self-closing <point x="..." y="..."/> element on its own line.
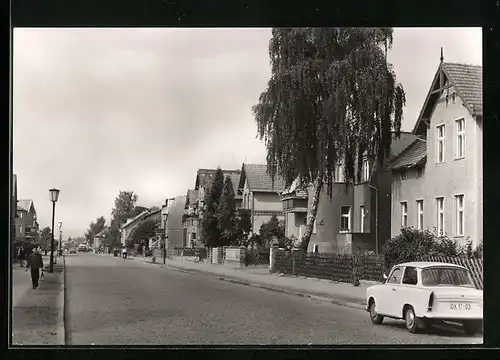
<point x="408" y="291"/>
<point x="392" y="293"/>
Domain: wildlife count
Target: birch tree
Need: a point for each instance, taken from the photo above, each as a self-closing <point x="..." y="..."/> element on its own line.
<point x="332" y="98"/>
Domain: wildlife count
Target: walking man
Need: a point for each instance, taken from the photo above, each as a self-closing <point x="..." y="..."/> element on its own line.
<point x="124" y="253"/>
<point x="35" y="262"/>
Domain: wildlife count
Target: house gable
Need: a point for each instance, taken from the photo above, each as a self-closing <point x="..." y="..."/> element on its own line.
<point x="466" y="80"/>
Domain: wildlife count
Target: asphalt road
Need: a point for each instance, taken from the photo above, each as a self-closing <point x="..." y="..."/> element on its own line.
<point x="116" y="302"/>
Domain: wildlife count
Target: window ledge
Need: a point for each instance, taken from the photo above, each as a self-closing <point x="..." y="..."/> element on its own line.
<point x="344" y="231"/>
<point x="459" y="158"/>
<point x="440" y="162"/>
<point x="458" y="236"/>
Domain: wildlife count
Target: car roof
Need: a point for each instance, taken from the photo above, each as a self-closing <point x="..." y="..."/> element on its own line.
<point x="427" y="264"/>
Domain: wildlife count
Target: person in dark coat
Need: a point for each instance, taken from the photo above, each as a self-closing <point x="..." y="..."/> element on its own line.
<point x="35" y="262"/>
<point x="21" y="256"/>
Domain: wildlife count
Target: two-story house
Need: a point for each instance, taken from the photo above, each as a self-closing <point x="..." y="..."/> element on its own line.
<point x="438" y="179"/>
<point x="26" y="222"/>
<point x="356" y="217"/>
<point x="294" y="200"/>
<point x="191" y="221"/>
<point x="131" y="224"/>
<point x="203" y="184"/>
<point x="259" y="194"/>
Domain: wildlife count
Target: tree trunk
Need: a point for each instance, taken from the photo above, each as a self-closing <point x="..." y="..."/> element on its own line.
<point x="311" y="216"/>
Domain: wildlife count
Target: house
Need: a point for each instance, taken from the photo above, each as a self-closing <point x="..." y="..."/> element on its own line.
<point x="26" y="221"/>
<point x="438" y="180"/>
<point x="99" y="239"/>
<point x="294" y="201"/>
<point x="260" y="195"/>
<point x="154" y="216"/>
<point x="356" y="216"/>
<point x="131" y="224"/>
<point x="191" y="221"/>
<point x="203" y="184"/>
<point x="176" y="236"/>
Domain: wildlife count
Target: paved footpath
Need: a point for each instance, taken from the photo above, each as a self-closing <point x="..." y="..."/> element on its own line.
<point x="319" y="289"/>
<point x="38" y="314"/>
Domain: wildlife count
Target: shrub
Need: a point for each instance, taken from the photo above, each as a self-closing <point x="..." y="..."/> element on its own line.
<point x="412" y="243"/>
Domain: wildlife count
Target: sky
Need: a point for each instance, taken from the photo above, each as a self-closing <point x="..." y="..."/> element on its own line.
<point x="96" y="111"/>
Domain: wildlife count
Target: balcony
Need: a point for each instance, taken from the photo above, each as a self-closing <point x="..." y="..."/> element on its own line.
<point x="294" y="205"/>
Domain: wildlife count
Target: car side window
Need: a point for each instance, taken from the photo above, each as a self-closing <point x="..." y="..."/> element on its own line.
<point x="395" y="277"/>
<point x="410" y="276"/>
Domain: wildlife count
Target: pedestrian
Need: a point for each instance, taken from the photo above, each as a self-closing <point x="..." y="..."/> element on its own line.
<point x="124" y="253"/>
<point x="21" y="256"/>
<point x="35" y="262"/>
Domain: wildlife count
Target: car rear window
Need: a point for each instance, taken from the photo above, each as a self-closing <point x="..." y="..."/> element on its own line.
<point x="446" y="276"/>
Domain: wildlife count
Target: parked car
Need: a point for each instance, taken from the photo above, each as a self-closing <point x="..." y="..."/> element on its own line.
<point x="425" y="293"/>
<point x="72" y="251"/>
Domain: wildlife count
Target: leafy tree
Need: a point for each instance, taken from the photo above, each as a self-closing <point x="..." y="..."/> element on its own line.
<point x="154" y="208"/>
<point x="123" y="208"/>
<point x="243" y="225"/>
<point x="210" y="230"/>
<point x="45" y="237"/>
<point x="411" y="244"/>
<point x="332" y="97"/>
<point x="95" y="228"/>
<point x="142" y="233"/>
<point x="225" y="215"/>
<point x="273" y="228"/>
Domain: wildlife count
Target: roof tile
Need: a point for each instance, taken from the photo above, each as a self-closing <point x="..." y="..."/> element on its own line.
<point x="468" y="80"/>
<point x="258" y="179"/>
<point x="411" y="156"/>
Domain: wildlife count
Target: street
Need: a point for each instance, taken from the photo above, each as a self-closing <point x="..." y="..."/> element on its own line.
<point x="116" y="302"/>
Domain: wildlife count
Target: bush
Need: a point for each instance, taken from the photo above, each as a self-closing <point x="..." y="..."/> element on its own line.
<point x="412" y="243"/>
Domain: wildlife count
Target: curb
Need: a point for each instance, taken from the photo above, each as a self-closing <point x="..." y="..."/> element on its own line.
<point x="61" y="315"/>
<point x="338" y="302"/>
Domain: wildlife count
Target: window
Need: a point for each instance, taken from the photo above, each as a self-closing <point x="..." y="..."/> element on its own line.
<point x="314" y="226"/>
<point x="440" y="143"/>
<point x="420" y="172"/>
<point x="410" y="276"/>
<point x="345" y="218"/>
<point x="459" y="206"/>
<point x="403" y="174"/>
<point x="404" y="214"/>
<point x="315" y="248"/>
<point x="21" y="229"/>
<point x="366" y="170"/>
<point x="460" y="138"/>
<point x="362" y="218"/>
<point x="420" y="214"/>
<point x="193" y="236"/>
<point x="339" y="173"/>
<point x="21" y="214"/>
<point x="440" y="215"/>
<point x="395" y="277"/>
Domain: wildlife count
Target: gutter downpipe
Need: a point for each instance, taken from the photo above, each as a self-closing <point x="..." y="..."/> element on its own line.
<point x="376" y="217"/>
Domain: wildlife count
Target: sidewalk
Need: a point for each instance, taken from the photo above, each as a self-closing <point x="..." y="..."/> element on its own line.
<point x="317" y="289"/>
<point x="38" y="315"/>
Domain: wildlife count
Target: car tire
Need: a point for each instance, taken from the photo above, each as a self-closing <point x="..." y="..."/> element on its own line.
<point x="375" y="317"/>
<point x="410" y="319"/>
<point x="472" y="327"/>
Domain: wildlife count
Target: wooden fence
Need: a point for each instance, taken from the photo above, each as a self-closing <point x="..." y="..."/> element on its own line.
<point x="337" y="267"/>
<point x="475" y="266"/>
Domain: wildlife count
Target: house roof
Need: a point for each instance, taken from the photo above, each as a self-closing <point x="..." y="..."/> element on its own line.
<point x="24" y="205"/>
<point x="205" y="177"/>
<point x="101" y="233"/>
<point x="259" y="180"/>
<point x="153" y="213"/>
<point x="411" y="156"/>
<point x="398" y="145"/>
<point x="467" y="81"/>
<point x="235" y="179"/>
<point x="134" y="219"/>
<point x="296" y="189"/>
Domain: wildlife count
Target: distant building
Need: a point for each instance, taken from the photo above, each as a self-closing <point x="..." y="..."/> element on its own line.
<point x="260" y="195"/>
<point x="131" y="224"/>
<point x="99" y="239"/>
<point x="26" y="221"/>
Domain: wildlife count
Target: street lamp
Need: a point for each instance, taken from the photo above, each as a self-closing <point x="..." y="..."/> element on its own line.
<point x="60" y="238"/>
<point x="164" y="215"/>
<point x="54" y="195"/>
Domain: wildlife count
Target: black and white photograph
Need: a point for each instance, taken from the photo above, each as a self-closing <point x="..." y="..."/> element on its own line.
<point x="247" y="186"/>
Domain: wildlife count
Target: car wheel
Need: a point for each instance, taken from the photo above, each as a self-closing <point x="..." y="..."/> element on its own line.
<point x="472" y="327"/>
<point x="411" y="320"/>
<point x="375" y="317"/>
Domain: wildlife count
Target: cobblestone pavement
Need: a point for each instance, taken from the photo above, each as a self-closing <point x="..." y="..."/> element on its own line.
<point x="116" y="302"/>
<point x="36" y="313"/>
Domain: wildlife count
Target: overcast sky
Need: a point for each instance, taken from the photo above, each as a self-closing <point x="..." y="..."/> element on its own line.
<point x="102" y="110"/>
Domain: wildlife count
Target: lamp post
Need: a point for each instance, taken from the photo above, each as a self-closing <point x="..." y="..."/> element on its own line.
<point x="164" y="215"/>
<point x="60" y="237"/>
<point x="54" y="195"/>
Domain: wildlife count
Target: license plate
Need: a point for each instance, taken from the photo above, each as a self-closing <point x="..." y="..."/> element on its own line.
<point x="460" y="307"/>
